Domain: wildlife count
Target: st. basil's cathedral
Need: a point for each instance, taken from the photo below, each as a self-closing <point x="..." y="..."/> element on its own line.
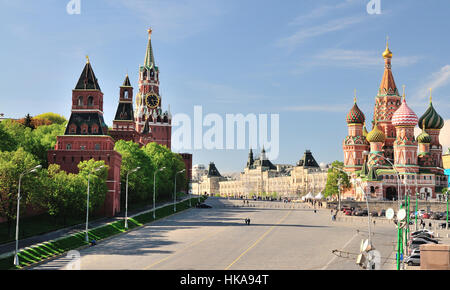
<point x="389" y="161"/>
<point x="87" y="135"/>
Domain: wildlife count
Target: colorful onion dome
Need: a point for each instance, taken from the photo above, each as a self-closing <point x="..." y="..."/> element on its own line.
<point x="431" y="119"/>
<point x="424" y="137"/>
<point x="376" y="135"/>
<point x="404" y="116"/>
<point x="355" y="116"/>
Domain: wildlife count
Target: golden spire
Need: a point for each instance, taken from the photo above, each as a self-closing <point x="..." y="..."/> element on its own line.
<point x="403" y="92"/>
<point x="354" y="98"/>
<point x="150" y="32"/>
<point x="387" y="53"/>
<point x="431" y="97"/>
<point x="87" y="58"/>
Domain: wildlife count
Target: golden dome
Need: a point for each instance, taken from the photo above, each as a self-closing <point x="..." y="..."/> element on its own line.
<point x="376" y="135"/>
<point x="387" y="53"/>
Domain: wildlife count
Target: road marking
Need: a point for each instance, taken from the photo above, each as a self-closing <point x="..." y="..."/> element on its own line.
<point x="258" y="240"/>
<point x="182" y="250"/>
<point x="334" y="258"/>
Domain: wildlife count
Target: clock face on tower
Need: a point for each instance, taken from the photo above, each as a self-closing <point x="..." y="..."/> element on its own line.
<point x="152" y="100"/>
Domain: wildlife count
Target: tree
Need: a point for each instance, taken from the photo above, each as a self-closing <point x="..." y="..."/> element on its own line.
<point x="140" y="183"/>
<point x="331" y="188"/>
<point x="12" y="165"/>
<point x="28" y="121"/>
<point x="53" y="118"/>
<point x="161" y="156"/>
<point x="7" y="143"/>
<point x="37" y="141"/>
<point x="97" y="182"/>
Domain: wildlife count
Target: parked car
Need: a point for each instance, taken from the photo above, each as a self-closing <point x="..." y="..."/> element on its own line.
<point x="414" y="251"/>
<point x="382" y="212"/>
<point x="426" y="215"/>
<point x="348" y="212"/>
<point x="422" y="234"/>
<point x="202" y="205"/>
<point x="413" y="260"/>
<point x="424" y="237"/>
<point x="421" y="231"/>
<point x="435" y="216"/>
<point x="444" y="225"/>
<point x="374" y="213"/>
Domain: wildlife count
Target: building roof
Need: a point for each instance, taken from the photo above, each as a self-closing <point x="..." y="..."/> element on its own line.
<point x="212" y="171"/>
<point x="355" y="116"/>
<point x="124" y="112"/>
<point x="89" y="119"/>
<point x="308" y="160"/>
<point x="87" y="80"/>
<point x="126" y="82"/>
<point x="431" y="118"/>
<point x="404" y="116"/>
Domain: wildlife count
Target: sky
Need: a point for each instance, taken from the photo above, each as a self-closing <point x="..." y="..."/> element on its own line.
<point x="298" y="59"/>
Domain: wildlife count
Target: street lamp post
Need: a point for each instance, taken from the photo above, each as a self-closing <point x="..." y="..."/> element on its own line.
<point x="87" y="201"/>
<point x="126" y="197"/>
<point x="16" y="256"/>
<point x="417" y="206"/>
<point x="175" y="191"/>
<point x="447" y="193"/>
<point x="154" y="191"/>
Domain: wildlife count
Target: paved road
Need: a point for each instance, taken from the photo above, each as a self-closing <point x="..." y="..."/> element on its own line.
<point x="218" y="239"/>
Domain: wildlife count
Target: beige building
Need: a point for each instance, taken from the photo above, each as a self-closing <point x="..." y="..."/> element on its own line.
<point x="208" y="183"/>
<point x="262" y="178"/>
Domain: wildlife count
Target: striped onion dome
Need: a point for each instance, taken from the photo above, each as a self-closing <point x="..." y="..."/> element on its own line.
<point x="376" y="135"/>
<point x="404" y="116"/>
<point x="355" y="116"/>
<point x="431" y="119"/>
<point x="424" y="137"/>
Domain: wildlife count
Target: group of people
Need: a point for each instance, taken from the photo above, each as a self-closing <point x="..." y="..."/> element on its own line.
<point x="247" y="221"/>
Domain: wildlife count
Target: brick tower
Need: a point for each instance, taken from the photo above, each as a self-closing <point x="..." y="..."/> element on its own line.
<point x="123" y="123"/>
<point x="151" y="123"/>
<point x="86" y="137"/>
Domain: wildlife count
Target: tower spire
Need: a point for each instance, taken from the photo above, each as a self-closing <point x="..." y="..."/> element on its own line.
<point x="149" y="58"/>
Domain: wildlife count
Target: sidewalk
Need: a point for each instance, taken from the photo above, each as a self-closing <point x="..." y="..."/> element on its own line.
<point x="8" y="248"/>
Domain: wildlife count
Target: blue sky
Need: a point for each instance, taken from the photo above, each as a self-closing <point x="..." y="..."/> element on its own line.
<point x="299" y="59"/>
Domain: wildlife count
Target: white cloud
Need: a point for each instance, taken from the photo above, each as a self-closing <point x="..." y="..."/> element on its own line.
<point x="321" y="11"/>
<point x="444" y="137"/>
<point x="359" y="58"/>
<point x="308" y="32"/>
<point x="438" y="79"/>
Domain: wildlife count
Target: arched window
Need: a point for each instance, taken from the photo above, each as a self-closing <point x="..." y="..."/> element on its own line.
<point x="97" y="146"/>
<point x="90" y="101"/>
<point x="125" y="95"/>
<point x="80" y="101"/>
<point x="69" y="146"/>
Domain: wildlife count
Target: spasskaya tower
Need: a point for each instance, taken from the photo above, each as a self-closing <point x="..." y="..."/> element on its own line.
<point x="151" y="122"/>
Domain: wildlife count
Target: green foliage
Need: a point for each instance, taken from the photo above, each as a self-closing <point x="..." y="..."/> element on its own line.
<point x="331" y="188"/>
<point x="12" y="166"/>
<point x="52" y="117"/>
<point x="149" y="158"/>
<point x="7" y="142"/>
<point x="97" y="182"/>
<point x="161" y="157"/>
<point x="36" y="142"/>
